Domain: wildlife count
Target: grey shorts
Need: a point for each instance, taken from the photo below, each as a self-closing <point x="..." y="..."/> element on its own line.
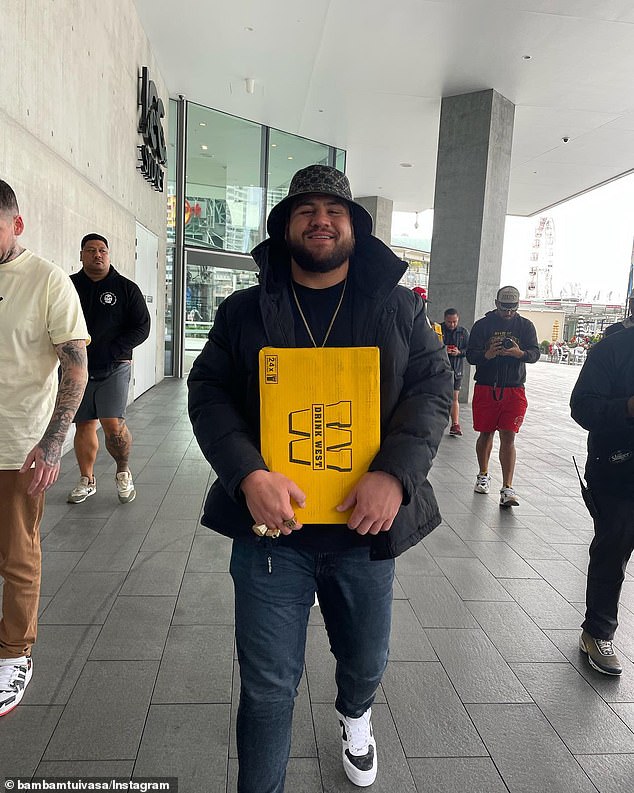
<point x="106" y="398"/>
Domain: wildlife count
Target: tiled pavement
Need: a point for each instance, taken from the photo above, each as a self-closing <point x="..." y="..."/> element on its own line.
<point x="485" y="691"/>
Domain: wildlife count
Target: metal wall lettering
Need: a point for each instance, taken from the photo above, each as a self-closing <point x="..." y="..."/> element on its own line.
<point x="152" y="154"/>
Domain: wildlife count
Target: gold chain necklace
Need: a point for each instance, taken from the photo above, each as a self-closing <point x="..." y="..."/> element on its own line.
<point x="332" y="321"/>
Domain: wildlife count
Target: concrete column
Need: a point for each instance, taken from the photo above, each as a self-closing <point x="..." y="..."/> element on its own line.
<point x="472" y="179"/>
<point x="381" y="211"/>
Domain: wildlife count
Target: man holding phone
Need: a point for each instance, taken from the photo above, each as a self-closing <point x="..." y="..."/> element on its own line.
<point x="500" y="345"/>
<point x="456" y="339"/>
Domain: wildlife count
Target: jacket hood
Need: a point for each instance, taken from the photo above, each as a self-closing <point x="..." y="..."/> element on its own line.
<point x="373" y="266"/>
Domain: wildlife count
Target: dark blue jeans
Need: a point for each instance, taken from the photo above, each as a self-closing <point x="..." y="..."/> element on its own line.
<point x="274" y="591"/>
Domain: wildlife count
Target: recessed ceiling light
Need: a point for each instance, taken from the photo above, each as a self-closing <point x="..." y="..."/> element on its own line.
<point x="249" y="28"/>
<point x="274" y="145"/>
<point x="204" y="146"/>
<point x="202" y="123"/>
<point x="289" y="158"/>
<point x="526" y="57"/>
<point x="406" y="164"/>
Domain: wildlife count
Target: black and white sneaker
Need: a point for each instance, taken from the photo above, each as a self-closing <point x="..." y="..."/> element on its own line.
<point x="358" y="748"/>
<point x="15" y="674"/>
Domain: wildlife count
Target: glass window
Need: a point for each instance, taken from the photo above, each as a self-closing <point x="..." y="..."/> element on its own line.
<point x="288" y="154"/>
<point x="206" y="288"/>
<point x="340" y="160"/>
<point x="169" y="311"/>
<point x="171" y="171"/>
<point x="172" y="149"/>
<point x="223" y="194"/>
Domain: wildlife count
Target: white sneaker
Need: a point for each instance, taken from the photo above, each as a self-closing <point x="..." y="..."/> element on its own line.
<point x="508" y="497"/>
<point x="15" y="674"/>
<point x="358" y="748"/>
<point x="483" y="483"/>
<point x="84" y="489"/>
<point x="125" y="487"/>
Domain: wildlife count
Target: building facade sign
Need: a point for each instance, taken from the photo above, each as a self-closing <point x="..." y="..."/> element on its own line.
<point x="152" y="153"/>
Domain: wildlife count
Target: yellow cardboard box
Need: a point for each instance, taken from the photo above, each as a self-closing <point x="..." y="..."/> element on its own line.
<point x="320" y="421"/>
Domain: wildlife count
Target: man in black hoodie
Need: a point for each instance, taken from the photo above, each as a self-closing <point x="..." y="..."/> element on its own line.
<point x="324" y="281"/>
<point x="118" y="320"/>
<point x="499" y="345"/>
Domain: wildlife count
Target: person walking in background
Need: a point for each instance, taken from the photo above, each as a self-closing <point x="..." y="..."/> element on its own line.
<point x="500" y="345"/>
<point x="324" y="281"/>
<point x="628" y="322"/>
<point x="602" y="402"/>
<point x="118" y="321"/>
<point x="456" y="339"/>
<point x="42" y="329"/>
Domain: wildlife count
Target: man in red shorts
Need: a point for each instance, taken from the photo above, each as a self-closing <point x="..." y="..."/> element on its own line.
<point x="500" y="345"/>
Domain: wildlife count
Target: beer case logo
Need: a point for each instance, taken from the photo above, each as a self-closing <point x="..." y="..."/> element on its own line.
<point x="320" y="421"/>
<point x="322" y="436"/>
<point x="270" y="369"/>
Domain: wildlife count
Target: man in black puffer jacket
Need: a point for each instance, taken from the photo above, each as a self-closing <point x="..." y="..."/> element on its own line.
<point x="324" y="280"/>
<point x="602" y="402"/>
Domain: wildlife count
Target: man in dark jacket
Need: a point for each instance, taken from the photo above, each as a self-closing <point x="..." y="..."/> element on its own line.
<point x="456" y="339"/>
<point x="499" y="346"/>
<point x="118" y="320"/>
<point x="324" y="280"/>
<point x="602" y="402"/>
<point x="628" y="322"/>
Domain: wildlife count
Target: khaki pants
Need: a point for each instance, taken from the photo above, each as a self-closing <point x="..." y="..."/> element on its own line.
<point x="20" y="563"/>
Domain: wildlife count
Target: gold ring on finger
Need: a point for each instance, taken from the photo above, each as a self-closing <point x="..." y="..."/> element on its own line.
<point x="290" y="523"/>
<point x="260" y="529"/>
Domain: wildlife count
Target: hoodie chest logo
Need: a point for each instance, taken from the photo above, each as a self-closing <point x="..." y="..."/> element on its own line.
<point x="108" y="298"/>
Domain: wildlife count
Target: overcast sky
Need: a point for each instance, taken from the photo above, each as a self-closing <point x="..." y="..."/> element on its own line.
<point x="592" y="242"/>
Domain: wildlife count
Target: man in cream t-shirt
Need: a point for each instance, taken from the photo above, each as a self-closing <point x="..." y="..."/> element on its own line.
<point x="41" y="328"/>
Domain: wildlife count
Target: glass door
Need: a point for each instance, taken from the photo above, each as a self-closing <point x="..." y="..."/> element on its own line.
<point x="207" y="284"/>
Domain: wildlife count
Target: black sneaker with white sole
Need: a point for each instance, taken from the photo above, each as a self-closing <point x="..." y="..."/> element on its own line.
<point x="358" y="748"/>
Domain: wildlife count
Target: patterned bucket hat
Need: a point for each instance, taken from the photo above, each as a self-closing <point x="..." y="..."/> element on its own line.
<point x="318" y="179"/>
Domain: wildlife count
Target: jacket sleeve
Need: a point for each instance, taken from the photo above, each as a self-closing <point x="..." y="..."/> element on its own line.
<point x="477" y="343"/>
<point x="591" y="403"/>
<point x="464" y="343"/>
<point x="412" y="433"/>
<point x="216" y="409"/>
<point x="137" y="327"/>
<point x="529" y="342"/>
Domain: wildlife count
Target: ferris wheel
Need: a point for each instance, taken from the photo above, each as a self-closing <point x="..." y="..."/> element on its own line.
<point x="540" y="269"/>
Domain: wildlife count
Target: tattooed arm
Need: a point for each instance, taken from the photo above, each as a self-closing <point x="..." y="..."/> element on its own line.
<point x="47" y="454"/>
